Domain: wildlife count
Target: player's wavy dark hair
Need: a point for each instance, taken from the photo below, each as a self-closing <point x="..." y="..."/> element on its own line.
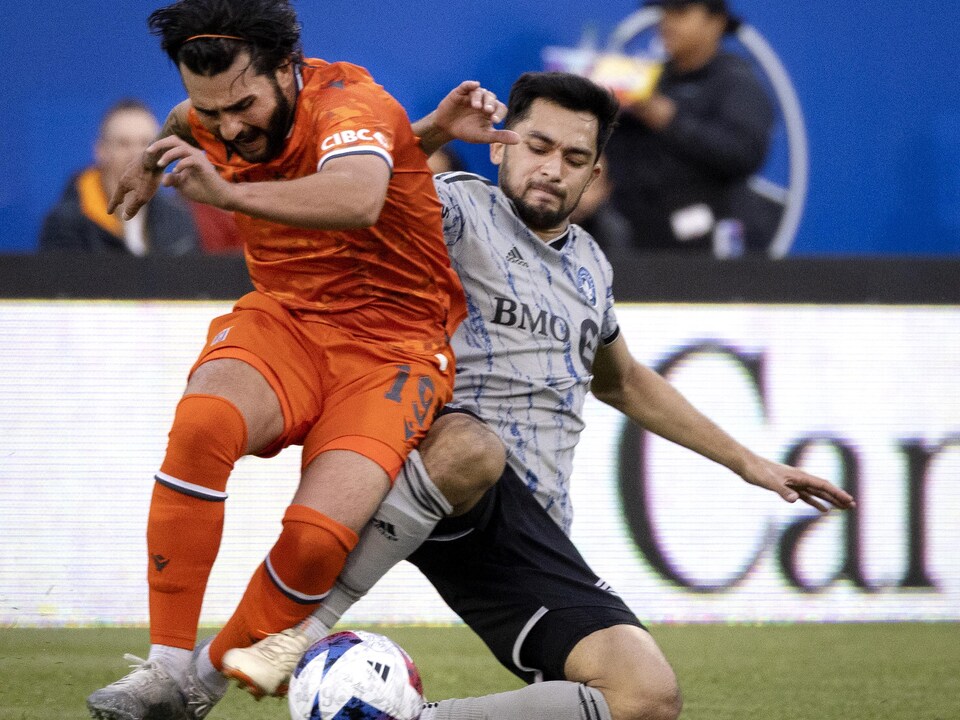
<point x="573" y="92"/>
<point x="269" y="30"/>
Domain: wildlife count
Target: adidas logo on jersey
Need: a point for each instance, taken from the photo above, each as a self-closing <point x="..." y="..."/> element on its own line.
<point x="516" y="258"/>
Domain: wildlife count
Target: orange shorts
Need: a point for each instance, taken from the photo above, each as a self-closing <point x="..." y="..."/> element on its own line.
<point x="337" y="392"/>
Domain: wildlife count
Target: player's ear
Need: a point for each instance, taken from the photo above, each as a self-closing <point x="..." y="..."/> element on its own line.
<point x="596" y="173"/>
<point x="496" y="153"/>
<point x="286" y="76"/>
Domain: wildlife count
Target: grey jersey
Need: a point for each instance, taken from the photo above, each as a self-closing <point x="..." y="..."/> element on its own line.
<point x="535" y="318"/>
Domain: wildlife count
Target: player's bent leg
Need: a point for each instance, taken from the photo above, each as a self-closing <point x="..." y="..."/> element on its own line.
<point x="209" y="433"/>
<point x="463" y="457"/>
<point x="249" y="391"/>
<point x="304" y="563"/>
<point x="628" y="667"/>
<point x="467" y="459"/>
<point x="228" y="410"/>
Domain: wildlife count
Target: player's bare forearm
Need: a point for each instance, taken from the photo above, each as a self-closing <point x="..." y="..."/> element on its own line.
<point x="176" y="124"/>
<point x="349" y="195"/>
<point x="431" y="137"/>
<point x="656" y="405"/>
<point x="653" y="403"/>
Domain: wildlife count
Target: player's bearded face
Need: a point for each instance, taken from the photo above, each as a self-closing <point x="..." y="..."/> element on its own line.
<point x="249" y="112"/>
<point x="546" y="173"/>
<point x="255" y="144"/>
<point x="541" y="203"/>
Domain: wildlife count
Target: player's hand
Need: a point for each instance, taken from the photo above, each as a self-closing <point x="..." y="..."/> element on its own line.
<point x="193" y="175"/>
<point x="470" y="112"/>
<point x="137" y="185"/>
<point x="794" y="484"/>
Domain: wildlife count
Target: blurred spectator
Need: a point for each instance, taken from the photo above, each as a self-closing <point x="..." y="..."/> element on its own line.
<point x="217" y="228"/>
<point x="597" y="215"/>
<point x="445" y="159"/>
<point x="80" y="222"/>
<point x="679" y="157"/>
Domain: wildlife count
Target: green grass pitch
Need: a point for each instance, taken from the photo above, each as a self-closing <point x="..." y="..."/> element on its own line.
<point x="905" y="671"/>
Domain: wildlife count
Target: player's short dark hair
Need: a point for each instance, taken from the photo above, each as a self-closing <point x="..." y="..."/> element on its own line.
<point x="570" y="91"/>
<point x="267" y="29"/>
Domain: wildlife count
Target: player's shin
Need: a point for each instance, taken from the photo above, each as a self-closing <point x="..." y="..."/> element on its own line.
<point x="185" y="523"/>
<point x="296" y="575"/>
<point x="554" y="700"/>
<point x="407" y="516"/>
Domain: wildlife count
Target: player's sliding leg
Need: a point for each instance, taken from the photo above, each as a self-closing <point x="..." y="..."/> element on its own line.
<point x="617" y="673"/>
<point x="546" y="616"/>
<point x="458" y="461"/>
<point x="209" y="433"/>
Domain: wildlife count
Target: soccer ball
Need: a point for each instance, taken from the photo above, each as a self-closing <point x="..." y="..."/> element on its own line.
<point x="355" y="675"/>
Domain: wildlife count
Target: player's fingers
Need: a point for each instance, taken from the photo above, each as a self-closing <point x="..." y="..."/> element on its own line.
<point x="164" y="144"/>
<point x="499" y="113"/>
<point x="117" y="198"/>
<point x="823" y="489"/>
<point x="507" y="137"/>
<point x="173" y="154"/>
<point x="813" y="502"/>
<point x="132" y="207"/>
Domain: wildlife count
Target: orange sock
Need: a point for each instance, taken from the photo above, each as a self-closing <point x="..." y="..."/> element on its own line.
<point x="186" y="513"/>
<point x="299" y="571"/>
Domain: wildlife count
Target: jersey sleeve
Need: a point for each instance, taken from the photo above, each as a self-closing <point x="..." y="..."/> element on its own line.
<point x="610" y="328"/>
<point x="452" y="209"/>
<point x="356" y="124"/>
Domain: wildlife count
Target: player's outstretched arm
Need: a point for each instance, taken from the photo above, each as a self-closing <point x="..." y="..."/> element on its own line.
<point x="348" y="192"/>
<point x="652" y="402"/>
<point x="469" y="112"/>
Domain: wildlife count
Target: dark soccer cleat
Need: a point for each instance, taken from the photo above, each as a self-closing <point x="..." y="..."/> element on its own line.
<point x="149" y="692"/>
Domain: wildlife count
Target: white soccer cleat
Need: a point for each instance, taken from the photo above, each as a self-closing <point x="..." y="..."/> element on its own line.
<point x="149" y="691"/>
<point x="265" y="667"/>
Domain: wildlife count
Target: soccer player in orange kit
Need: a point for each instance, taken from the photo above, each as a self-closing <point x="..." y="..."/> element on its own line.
<point x="342" y="347"/>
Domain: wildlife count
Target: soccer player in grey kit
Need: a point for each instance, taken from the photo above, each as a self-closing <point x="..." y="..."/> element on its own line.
<point x="540" y="333"/>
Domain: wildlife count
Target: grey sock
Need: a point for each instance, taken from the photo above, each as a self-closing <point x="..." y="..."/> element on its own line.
<point x="554" y="700"/>
<point x="406" y="518"/>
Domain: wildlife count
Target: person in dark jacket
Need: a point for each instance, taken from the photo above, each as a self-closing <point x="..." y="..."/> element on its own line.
<point x="79" y="222"/>
<point x="678" y="156"/>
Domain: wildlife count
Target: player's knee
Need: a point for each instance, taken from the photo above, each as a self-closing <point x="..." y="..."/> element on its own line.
<point x="638" y="685"/>
<point x="207" y="437"/>
<point x="645" y="700"/>
<point x="643" y="687"/>
<point x="463" y="457"/>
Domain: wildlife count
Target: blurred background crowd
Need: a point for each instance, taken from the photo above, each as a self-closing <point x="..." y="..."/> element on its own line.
<point x="747" y="128"/>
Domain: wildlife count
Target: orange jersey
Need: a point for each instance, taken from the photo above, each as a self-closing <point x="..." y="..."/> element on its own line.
<point x="391" y="281"/>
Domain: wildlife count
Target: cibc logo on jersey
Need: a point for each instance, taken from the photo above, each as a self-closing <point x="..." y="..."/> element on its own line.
<point x="348" y="137"/>
<point x="511" y="313"/>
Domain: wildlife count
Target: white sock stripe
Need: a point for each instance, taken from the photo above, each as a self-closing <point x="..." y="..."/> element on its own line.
<point x="294" y="595"/>
<point x="188" y="488"/>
